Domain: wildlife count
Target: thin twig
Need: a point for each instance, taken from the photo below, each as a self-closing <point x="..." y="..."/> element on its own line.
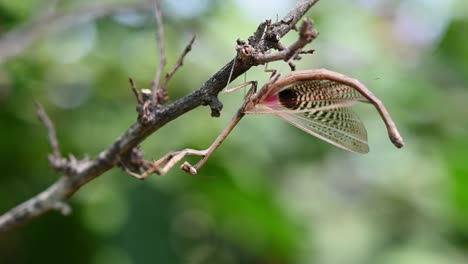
<point x="136" y="91"/>
<point x="311" y="51"/>
<point x="50" y="130"/>
<point x="158" y="93"/>
<point x="179" y="63"/>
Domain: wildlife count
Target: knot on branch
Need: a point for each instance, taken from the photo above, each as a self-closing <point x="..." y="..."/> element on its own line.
<point x="145" y="104"/>
<point x="62" y="207"/>
<point x="215" y="105"/>
<point x="146" y="108"/>
<point x="245" y="51"/>
<point x="272" y="36"/>
<point x="161" y="96"/>
<point x="133" y="160"/>
<point x="68" y="167"/>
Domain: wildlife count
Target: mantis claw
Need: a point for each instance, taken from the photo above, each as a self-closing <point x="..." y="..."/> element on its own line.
<point x="187" y="167"/>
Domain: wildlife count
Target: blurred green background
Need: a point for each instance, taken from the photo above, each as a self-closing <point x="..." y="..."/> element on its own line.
<point x="271" y="193"/>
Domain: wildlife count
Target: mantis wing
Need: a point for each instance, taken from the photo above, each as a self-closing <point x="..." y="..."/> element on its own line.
<point x="321" y="108"/>
<point x="340" y="127"/>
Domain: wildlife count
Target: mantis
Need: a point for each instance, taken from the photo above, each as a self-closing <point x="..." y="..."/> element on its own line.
<point x="317" y="101"/>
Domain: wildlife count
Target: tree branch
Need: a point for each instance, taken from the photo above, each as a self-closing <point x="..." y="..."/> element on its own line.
<point x="51" y="130"/>
<point x="86" y="170"/>
<point x="178" y="64"/>
<point x="159" y="94"/>
<point x="15" y="42"/>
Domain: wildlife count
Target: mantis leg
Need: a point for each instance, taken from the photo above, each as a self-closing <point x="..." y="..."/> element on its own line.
<point x="208" y="152"/>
